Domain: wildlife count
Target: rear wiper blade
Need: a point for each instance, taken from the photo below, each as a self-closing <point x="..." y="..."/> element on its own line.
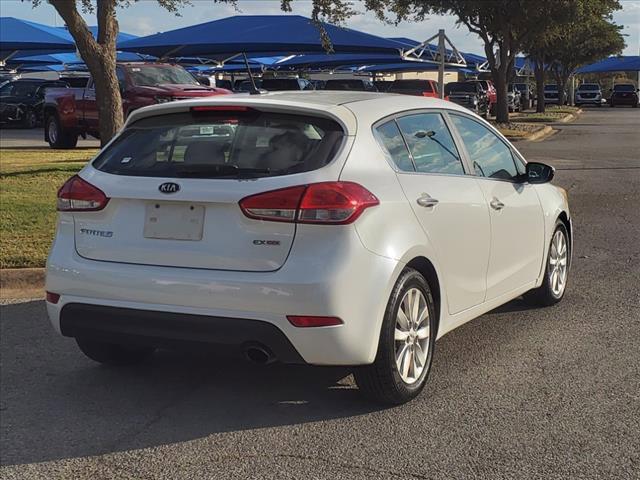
<point x="221" y="170"/>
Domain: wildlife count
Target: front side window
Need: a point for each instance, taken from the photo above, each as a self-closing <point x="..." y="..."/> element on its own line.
<point x="227" y="145"/>
<point x="489" y="155"/>
<point x="431" y="144"/>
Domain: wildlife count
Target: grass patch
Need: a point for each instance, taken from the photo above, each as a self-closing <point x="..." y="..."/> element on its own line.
<point x="562" y="109"/>
<point x="511" y="133"/>
<point x="29" y="180"/>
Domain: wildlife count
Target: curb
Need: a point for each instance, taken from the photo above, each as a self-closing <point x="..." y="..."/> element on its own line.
<point x="540" y="134"/>
<point x="537" y="135"/>
<point x="22" y="283"/>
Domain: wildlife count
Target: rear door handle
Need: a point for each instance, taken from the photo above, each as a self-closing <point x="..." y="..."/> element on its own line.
<point x="426" y="200"/>
<point x="496" y="204"/>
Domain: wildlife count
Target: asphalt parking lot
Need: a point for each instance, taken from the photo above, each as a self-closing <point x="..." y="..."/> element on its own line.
<point x="518" y="393"/>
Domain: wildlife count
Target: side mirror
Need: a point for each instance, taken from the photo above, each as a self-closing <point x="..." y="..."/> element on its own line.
<point x="539" y="172"/>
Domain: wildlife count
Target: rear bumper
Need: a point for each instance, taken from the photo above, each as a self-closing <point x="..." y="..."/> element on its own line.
<point x="338" y="277"/>
<point x="585" y="101"/>
<point x="145" y="327"/>
<point x="624" y="100"/>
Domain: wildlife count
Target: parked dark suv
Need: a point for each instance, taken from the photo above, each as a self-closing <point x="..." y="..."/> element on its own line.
<point x="624" y="94"/>
<point x="470" y="95"/>
<point x="22" y="101"/>
<point x="354" y="84"/>
<point x="279" y="84"/>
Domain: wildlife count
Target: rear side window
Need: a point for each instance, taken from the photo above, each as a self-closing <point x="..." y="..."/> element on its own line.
<point x="390" y="137"/>
<point x="222" y="144"/>
<point x="431" y="144"/>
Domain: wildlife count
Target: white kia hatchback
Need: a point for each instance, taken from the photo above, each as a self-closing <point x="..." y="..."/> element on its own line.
<point x="326" y="228"/>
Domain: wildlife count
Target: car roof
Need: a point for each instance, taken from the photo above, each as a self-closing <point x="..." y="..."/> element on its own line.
<point x="343" y="106"/>
<point x="33" y="80"/>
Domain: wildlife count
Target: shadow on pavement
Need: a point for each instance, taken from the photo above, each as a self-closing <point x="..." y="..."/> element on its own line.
<point x="58" y="404"/>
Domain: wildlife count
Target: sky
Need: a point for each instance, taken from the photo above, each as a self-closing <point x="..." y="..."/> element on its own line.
<point x="146" y="17"/>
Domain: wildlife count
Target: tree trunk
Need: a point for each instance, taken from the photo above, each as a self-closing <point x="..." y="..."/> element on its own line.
<point x="539" y="74"/>
<point x="100" y="57"/>
<point x="561" y="84"/>
<point x="500" y="75"/>
<point x="108" y="98"/>
<point x="502" y="107"/>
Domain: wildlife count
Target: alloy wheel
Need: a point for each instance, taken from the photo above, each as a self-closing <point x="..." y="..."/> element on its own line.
<point x="558" y="256"/>
<point x="412" y="335"/>
<point x="52" y="131"/>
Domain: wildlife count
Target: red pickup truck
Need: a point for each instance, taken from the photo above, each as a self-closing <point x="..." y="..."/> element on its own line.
<point x="73" y="112"/>
<point x="421" y="88"/>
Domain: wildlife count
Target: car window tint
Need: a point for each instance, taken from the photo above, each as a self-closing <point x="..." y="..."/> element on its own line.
<point x="222" y="145"/>
<point x="490" y="156"/>
<point x="390" y="137"/>
<point x="431" y="144"/>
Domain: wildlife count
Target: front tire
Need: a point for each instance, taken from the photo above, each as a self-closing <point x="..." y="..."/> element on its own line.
<point x="556" y="272"/>
<point x="405" y="348"/>
<point x="113" y="354"/>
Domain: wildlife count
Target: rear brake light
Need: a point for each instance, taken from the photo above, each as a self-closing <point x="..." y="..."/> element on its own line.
<point x="78" y="195"/>
<point x="220" y="108"/>
<point x="309" y="321"/>
<point x="333" y="203"/>
<point x="52" y="297"/>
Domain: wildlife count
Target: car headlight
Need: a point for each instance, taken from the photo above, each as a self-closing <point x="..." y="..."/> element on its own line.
<point x="162" y="99"/>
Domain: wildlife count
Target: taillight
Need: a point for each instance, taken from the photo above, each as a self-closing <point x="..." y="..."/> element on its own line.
<point x="78" y="195"/>
<point x="333" y="203"/>
<point x="52" y="297"/>
<point x="305" y="321"/>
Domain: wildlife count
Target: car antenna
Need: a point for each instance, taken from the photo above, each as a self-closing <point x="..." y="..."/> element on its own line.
<point x="254" y="89"/>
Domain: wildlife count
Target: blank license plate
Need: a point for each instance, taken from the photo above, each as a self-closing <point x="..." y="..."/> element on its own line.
<point x="173" y="221"/>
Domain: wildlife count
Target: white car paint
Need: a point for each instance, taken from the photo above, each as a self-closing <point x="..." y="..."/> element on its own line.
<point x="482" y="257"/>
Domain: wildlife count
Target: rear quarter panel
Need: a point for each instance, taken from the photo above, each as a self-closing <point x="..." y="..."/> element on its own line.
<point x="66" y="103"/>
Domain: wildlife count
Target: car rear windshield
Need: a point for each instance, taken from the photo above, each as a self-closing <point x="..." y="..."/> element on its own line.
<point x="467" y="87"/>
<point x="19" y="89"/>
<point x="624" y="88"/>
<point x="222" y="144"/>
<point x="151" y="75"/>
<point x="589" y="86"/>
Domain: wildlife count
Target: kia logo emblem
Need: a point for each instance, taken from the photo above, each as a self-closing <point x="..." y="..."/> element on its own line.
<point x="169" y="187"/>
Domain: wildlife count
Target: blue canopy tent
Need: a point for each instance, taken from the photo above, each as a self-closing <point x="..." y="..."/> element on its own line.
<point x="257" y="34"/>
<point x="473" y="60"/>
<point x="20" y="36"/>
<point x="319" y="61"/>
<point x="629" y="63"/>
<point x="65" y="59"/>
<point x="406" y="67"/>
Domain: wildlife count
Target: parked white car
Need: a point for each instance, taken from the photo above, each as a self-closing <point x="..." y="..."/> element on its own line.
<point x="327" y="228"/>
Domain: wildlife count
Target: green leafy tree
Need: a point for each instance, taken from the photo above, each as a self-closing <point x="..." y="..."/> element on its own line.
<point x="505" y="27"/>
<point x="561" y="47"/>
<point x="585" y="41"/>
<point x="99" y="54"/>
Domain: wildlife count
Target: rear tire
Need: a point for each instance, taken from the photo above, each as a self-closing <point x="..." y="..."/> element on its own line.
<point x="57" y="136"/>
<point x="556" y="272"/>
<point x="401" y="367"/>
<point x="113" y="354"/>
